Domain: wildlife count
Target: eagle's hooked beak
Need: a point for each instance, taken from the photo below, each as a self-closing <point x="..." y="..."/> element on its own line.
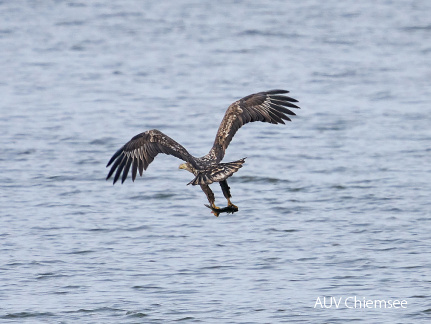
<point x="183" y="166"/>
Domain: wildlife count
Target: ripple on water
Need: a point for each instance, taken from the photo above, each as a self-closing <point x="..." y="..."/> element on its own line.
<point x="335" y="203"/>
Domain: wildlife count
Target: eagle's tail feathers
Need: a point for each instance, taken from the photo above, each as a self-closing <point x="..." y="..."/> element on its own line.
<point x="217" y="172"/>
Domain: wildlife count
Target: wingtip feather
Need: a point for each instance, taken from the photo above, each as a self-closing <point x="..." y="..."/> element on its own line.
<point x="276" y="91"/>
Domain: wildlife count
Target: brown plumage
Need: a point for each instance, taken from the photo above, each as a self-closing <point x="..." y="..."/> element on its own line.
<point x="140" y="151"/>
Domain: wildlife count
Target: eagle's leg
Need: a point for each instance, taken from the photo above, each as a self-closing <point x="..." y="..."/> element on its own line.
<point x="226" y="192"/>
<point x="210" y="195"/>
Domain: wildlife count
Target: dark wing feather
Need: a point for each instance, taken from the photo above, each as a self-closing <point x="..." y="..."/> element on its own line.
<point x="269" y="106"/>
<point x="141" y="150"/>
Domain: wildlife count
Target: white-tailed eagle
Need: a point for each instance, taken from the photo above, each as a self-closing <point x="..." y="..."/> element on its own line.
<point x="140" y="151"/>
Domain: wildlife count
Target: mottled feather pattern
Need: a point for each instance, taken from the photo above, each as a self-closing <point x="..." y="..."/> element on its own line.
<point x="141" y="150"/>
<point x="269" y="106"/>
<point x="217" y="172"/>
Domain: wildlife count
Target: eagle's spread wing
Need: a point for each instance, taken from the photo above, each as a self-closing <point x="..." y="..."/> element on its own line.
<point x="269" y="106"/>
<point x="141" y="150"/>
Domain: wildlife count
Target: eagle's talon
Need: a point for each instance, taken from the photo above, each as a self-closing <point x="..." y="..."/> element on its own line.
<point x="215" y="210"/>
<point x="230" y="205"/>
<point x="216" y="214"/>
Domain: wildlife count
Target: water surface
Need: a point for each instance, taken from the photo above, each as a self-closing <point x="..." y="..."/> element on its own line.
<point x="334" y="204"/>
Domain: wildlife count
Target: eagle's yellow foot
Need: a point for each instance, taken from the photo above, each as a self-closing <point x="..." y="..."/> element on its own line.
<point x="229" y="204"/>
<point x="215" y="210"/>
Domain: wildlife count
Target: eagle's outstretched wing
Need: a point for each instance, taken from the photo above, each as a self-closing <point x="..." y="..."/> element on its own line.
<point x="269" y="106"/>
<point x="141" y="150"/>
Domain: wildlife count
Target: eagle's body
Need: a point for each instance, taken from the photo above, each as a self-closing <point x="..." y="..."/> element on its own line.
<point x="141" y="150"/>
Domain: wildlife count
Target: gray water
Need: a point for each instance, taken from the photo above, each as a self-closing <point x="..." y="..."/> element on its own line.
<point x="334" y="204"/>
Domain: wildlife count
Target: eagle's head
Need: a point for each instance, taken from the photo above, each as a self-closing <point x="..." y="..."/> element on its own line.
<point x="187" y="166"/>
